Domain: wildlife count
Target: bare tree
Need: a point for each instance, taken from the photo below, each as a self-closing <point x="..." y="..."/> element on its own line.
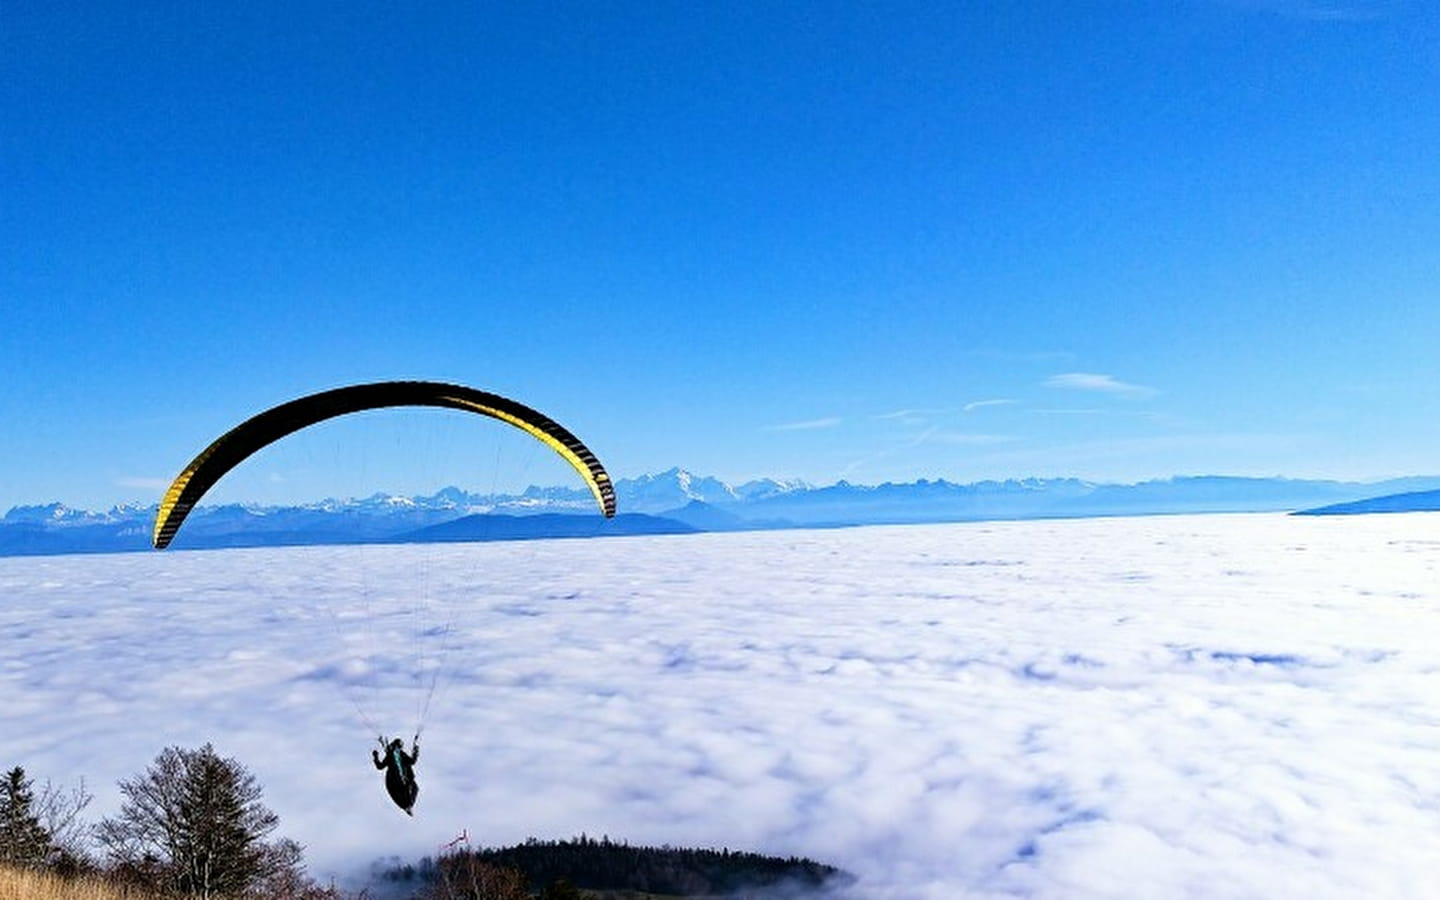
<point x="58" y="810"/>
<point x="194" y="820"/>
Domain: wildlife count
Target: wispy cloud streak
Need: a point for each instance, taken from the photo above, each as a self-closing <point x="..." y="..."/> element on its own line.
<point x="910" y="416"/>
<point x="985" y="404"/>
<point x="809" y="424"/>
<point x="143" y="483"/>
<point x="1104" y="384"/>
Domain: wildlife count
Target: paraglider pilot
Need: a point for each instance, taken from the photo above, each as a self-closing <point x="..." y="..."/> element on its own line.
<point x="399" y="768"/>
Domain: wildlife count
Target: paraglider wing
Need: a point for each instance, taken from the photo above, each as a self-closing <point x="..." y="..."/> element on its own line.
<point x="233" y="447"/>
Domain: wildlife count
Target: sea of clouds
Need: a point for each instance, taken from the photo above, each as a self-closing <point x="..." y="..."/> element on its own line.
<point x="1192" y="706"/>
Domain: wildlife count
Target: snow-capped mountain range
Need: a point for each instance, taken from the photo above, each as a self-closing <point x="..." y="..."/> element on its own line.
<point x="671" y="501"/>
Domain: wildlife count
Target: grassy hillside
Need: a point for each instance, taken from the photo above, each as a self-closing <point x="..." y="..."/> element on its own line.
<point x="22" y="884"/>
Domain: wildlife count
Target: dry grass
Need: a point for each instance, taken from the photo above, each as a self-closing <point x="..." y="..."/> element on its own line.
<point x="19" y="884"/>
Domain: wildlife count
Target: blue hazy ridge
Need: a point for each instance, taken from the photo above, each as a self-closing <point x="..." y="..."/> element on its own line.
<point x="668" y="504"/>
<point x="1410" y="501"/>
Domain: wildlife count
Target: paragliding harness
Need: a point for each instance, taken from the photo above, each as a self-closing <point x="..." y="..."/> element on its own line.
<point x="399" y="770"/>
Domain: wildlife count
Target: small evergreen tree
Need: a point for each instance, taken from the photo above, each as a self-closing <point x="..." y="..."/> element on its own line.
<point x="23" y="840"/>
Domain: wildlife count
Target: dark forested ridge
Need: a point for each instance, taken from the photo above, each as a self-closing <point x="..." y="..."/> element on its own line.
<point x="616" y="869"/>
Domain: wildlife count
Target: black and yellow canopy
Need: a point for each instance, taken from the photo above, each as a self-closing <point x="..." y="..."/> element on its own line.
<point x="231" y="448"/>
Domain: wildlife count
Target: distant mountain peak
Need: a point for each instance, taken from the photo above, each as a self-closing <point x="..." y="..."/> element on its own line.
<point x="46" y="512"/>
<point x="670" y="489"/>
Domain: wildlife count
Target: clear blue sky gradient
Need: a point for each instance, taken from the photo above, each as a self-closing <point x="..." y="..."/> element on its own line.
<point x="1116" y="240"/>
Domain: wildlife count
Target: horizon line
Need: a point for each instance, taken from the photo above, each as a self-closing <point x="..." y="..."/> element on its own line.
<point x="803" y="485"/>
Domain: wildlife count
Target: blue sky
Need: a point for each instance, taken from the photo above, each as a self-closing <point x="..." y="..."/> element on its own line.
<point x="874" y="242"/>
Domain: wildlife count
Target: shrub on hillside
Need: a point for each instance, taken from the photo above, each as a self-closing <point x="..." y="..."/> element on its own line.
<point x="461" y="876"/>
